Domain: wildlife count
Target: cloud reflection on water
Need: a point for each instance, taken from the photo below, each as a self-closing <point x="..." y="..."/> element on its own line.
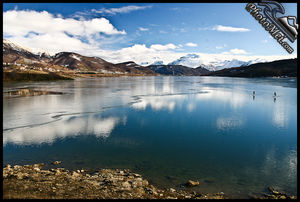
<point x="158" y="102"/>
<point x="235" y="97"/>
<point x="71" y="127"/>
<point x="230" y="122"/>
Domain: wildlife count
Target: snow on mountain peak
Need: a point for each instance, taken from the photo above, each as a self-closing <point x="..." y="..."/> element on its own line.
<point x="7" y="43"/>
<point x="189" y="60"/>
<point x="76" y="57"/>
<point x="160" y="62"/>
<point x="191" y="55"/>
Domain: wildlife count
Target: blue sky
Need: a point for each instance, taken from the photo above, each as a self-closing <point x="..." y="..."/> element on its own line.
<point x="190" y="27"/>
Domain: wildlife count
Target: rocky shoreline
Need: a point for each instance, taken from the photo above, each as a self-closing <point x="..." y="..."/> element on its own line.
<point x="32" y="182"/>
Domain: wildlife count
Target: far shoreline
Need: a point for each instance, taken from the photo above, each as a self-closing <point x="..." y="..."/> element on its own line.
<point x="11" y="77"/>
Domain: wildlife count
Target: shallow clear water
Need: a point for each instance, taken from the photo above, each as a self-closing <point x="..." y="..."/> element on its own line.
<point x="169" y="129"/>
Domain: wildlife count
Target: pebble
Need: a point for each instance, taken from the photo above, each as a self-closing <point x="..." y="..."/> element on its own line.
<point x="37" y="169"/>
<point x="56" y="162"/>
<point x="126" y="185"/>
<point x="75" y="174"/>
<point x="191" y="183"/>
<point x="172" y="190"/>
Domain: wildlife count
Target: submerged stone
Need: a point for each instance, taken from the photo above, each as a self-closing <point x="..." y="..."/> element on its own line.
<point x="56" y="162"/>
<point x="192" y="183"/>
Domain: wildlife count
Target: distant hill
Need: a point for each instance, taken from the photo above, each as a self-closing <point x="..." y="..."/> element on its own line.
<point x="19" y="59"/>
<point x="132" y="67"/>
<point x="178" y="70"/>
<point x="22" y="60"/>
<point x="286" y="67"/>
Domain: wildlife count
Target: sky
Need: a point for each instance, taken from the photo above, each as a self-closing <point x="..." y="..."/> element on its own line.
<point x="142" y="32"/>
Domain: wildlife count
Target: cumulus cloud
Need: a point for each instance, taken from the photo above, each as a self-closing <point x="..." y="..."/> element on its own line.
<point x="191" y="44"/>
<point x="160" y="47"/>
<point x="54" y="33"/>
<point x="43" y="31"/>
<point x="22" y="22"/>
<point x="237" y="51"/>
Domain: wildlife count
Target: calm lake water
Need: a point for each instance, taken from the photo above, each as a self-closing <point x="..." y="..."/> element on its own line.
<point x="169" y="129"/>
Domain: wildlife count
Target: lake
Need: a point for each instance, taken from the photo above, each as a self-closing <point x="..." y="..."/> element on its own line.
<point x="169" y="129"/>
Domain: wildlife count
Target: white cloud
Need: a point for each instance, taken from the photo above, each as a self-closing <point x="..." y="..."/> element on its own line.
<point x="237" y="51"/>
<point x="140" y="54"/>
<point x="160" y="47"/>
<point x="42" y="30"/>
<point x="125" y="9"/>
<point x="221" y="47"/>
<point x="191" y="44"/>
<point x="143" y="29"/>
<point x="222" y="28"/>
<point x="22" y="22"/>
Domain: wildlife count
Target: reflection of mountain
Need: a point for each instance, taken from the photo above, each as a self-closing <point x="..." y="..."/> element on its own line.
<point x="73" y="126"/>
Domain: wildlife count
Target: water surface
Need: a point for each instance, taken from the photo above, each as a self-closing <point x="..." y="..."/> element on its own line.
<point x="169" y="129"/>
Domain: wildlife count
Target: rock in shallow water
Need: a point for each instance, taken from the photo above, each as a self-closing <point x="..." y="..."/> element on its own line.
<point x="192" y="183"/>
<point x="56" y="162"/>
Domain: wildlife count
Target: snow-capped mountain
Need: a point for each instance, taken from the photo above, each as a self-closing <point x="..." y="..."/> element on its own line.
<point x="12" y="46"/>
<point x="160" y="62"/>
<point x="212" y="64"/>
<point x="19" y="58"/>
<point x="190" y="60"/>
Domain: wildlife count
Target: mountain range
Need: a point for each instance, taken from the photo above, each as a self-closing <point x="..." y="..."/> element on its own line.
<point x="69" y="64"/>
<point x="194" y="60"/>
<point x="279" y="68"/>
<point x="21" y="59"/>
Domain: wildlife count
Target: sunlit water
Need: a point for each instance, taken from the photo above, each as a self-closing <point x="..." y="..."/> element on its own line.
<point x="169" y="129"/>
